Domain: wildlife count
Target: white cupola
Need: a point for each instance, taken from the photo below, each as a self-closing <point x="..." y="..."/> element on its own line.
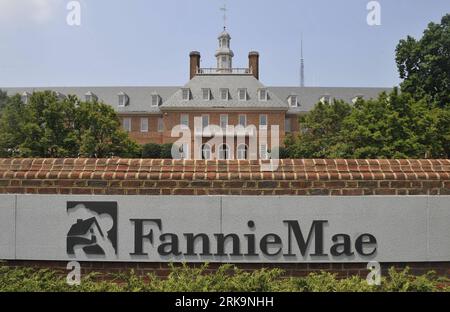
<point x="224" y="54"/>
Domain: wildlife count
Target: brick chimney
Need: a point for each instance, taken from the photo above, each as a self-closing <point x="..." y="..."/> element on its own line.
<point x="253" y="63"/>
<point x="194" y="63"/>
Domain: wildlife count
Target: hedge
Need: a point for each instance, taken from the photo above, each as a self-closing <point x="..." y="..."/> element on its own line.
<point x="227" y="278"/>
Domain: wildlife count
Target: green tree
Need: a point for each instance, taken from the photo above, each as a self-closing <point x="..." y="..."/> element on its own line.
<point x="3" y="100"/>
<point x="320" y="129"/>
<point x="48" y="126"/>
<point x="100" y="134"/>
<point x="424" y="64"/>
<point x="151" y="150"/>
<point x="395" y="126"/>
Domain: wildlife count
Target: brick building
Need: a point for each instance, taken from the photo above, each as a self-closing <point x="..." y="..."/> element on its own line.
<point x="218" y="96"/>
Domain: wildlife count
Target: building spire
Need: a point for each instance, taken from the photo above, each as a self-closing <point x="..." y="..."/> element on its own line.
<point x="302" y="64"/>
<point x="224" y="9"/>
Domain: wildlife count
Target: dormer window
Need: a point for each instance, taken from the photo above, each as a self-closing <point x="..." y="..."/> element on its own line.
<point x="25" y="97"/>
<point x="224" y="94"/>
<point x="357" y="98"/>
<point x="293" y="101"/>
<point x="155" y="100"/>
<point x="60" y="96"/>
<point x="90" y="97"/>
<point x="325" y="99"/>
<point x="186" y="94"/>
<point x="242" y="94"/>
<point x="262" y="94"/>
<point x="123" y="99"/>
<point x="206" y="94"/>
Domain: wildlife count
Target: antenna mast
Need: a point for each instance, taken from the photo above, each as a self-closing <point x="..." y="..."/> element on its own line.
<point x="302" y="64"/>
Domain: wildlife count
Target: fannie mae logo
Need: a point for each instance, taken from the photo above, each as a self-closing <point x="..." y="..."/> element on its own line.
<point x="93" y="230"/>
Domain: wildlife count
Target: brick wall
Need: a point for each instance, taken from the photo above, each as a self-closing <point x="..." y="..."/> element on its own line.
<point x="172" y="177"/>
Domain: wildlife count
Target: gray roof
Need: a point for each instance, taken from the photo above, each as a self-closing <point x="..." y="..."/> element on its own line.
<point x="231" y="82"/>
<point x="140" y="97"/>
<point x="308" y="97"/>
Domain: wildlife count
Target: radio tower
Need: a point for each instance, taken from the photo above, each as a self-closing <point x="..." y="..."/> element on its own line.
<point x="302" y="65"/>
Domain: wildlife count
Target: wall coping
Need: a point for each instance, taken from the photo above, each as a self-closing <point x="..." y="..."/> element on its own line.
<point x="289" y="169"/>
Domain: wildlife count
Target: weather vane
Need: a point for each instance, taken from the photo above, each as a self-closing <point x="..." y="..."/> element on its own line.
<point x="224" y="9"/>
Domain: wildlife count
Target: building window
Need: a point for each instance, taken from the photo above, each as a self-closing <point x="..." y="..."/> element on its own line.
<point x="184" y="151"/>
<point x="287" y="125"/>
<point x="184" y="120"/>
<point x="325" y="99"/>
<point x="224" y="152"/>
<point x="224" y="94"/>
<point x="357" y="98"/>
<point x="223" y="121"/>
<point x="144" y="124"/>
<point x="206" y="152"/>
<point x="126" y="123"/>
<point x="293" y="101"/>
<point x="242" y="94"/>
<point x="263" y="154"/>
<point x="205" y="121"/>
<point x="262" y="94"/>
<point x="155" y="100"/>
<point x="25" y="97"/>
<point x="206" y="94"/>
<point x="160" y="124"/>
<point x="242" y="151"/>
<point x="243" y="120"/>
<point x="90" y="97"/>
<point x="263" y="120"/>
<point x="123" y="99"/>
<point x="186" y="94"/>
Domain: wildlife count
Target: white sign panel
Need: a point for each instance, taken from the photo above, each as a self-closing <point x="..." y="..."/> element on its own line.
<point x="225" y="228"/>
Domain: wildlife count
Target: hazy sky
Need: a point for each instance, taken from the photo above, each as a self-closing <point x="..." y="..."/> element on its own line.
<point x="147" y="42"/>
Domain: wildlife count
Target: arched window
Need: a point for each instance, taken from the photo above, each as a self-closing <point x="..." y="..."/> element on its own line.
<point x="224" y="152"/>
<point x="206" y="151"/>
<point x="242" y="151"/>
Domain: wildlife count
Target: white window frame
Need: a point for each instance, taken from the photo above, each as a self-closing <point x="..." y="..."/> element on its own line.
<point x="239" y="152"/>
<point x="260" y="93"/>
<point x="245" y="120"/>
<point x="188" y="94"/>
<point x="182" y="119"/>
<point x="228" y="94"/>
<point x="356" y="98"/>
<point x="206" y="149"/>
<point x="221" y="155"/>
<point x="325" y="99"/>
<point x="263" y="152"/>
<point x="155" y="100"/>
<point x="123" y="99"/>
<point x="245" y="94"/>
<point x="260" y="119"/>
<point x="226" y="120"/>
<point x="160" y="124"/>
<point x="90" y="97"/>
<point x="207" y="118"/>
<point x="209" y="94"/>
<point x="126" y="124"/>
<point x="144" y="124"/>
<point x="25" y="97"/>
<point x="293" y="101"/>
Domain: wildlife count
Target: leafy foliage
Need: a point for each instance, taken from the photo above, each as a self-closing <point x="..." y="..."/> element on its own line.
<point x="425" y="64"/>
<point x="48" y="126"/>
<point x="226" y="278"/>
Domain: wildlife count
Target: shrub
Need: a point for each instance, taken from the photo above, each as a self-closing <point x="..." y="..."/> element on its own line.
<point x="227" y="278"/>
<point x="151" y="150"/>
